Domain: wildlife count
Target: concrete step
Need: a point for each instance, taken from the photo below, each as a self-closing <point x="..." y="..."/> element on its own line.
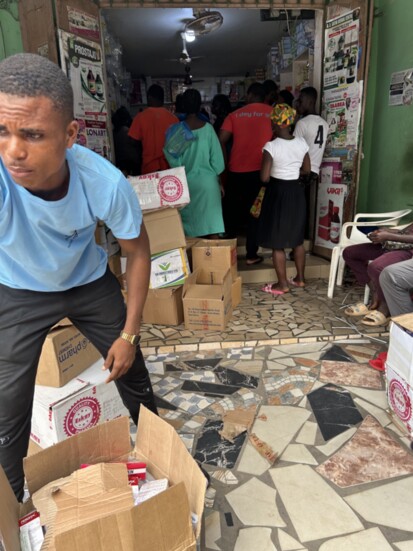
<point x="264" y="272"/>
<point x="241" y="247"/>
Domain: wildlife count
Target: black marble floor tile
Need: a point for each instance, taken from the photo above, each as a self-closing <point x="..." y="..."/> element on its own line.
<point x="206" y="363"/>
<point x="334" y="410"/>
<point x="171" y="367"/>
<point x="337" y="354"/>
<point x="232" y="377"/>
<point x="161" y="403"/>
<point x="210" y="388"/>
<point x="214" y="450"/>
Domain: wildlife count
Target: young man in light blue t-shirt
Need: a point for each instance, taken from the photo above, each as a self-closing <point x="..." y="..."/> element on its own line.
<point x="52" y="192"/>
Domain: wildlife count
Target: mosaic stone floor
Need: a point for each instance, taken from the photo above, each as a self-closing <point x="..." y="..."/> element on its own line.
<point x="304" y="315"/>
<point x="297" y="440"/>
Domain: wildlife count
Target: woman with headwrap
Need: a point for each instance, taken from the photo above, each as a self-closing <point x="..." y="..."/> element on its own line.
<point x="283" y="212"/>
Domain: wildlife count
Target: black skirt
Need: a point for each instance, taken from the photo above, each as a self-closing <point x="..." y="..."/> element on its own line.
<point x="283" y="215"/>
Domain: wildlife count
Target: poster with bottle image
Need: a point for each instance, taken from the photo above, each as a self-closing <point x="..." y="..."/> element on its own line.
<point x="329" y="214"/>
<point x="84" y="67"/>
<point x="341" y="50"/>
<point x="341" y="109"/>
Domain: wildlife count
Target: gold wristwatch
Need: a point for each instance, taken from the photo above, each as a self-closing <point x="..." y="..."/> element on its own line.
<point x="132" y="339"/>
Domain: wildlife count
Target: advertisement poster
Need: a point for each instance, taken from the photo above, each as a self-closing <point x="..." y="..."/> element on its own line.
<point x="83" y="24"/>
<point x="331" y="171"/>
<point x="342" y="110"/>
<point x="341" y="50"/>
<point x="329" y="214"/>
<point x="401" y="88"/>
<point x="83" y="62"/>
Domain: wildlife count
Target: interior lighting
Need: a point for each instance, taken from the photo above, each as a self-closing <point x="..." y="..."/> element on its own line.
<point x="189" y="35"/>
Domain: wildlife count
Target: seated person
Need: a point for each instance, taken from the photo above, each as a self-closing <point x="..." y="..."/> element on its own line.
<point x="396" y="282"/>
<point x="368" y="260"/>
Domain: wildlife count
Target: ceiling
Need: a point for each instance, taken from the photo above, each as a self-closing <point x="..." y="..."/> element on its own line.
<point x="151" y="38"/>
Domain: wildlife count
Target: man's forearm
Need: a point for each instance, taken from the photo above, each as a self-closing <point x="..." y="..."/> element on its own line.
<point x="137" y="281"/>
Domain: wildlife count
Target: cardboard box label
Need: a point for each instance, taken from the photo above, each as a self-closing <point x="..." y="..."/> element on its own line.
<point x="400" y="397"/>
<point x="169" y="269"/>
<point x="166" y="188"/>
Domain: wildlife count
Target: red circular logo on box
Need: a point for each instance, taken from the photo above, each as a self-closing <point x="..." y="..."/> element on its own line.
<point x="170" y="188"/>
<point x="83" y="414"/>
<point x="400" y="400"/>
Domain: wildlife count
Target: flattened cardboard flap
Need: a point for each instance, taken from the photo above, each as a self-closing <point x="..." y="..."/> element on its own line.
<point x="65" y="322"/>
<point x="9" y="515"/>
<point x="159" y="445"/>
<point x="100" y="444"/>
<point x="161" y="524"/>
<point x="405" y="320"/>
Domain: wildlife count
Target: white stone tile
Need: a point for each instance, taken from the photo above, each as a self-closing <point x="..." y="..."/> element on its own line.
<point x="280" y="426"/>
<point x="212" y="531"/>
<point x="389" y="504"/>
<point x="376" y="412"/>
<point x="316" y="385"/>
<point x="301" y="348"/>
<point x="288" y="362"/>
<point x="254" y="504"/>
<point x="287" y="542"/>
<point x="308" y="433"/>
<point x="155" y="367"/>
<point x="275" y="354"/>
<point x="275" y="366"/>
<point x="298" y="453"/>
<point x="254" y="538"/>
<point x="314" y="508"/>
<point x="376" y="397"/>
<point x="303" y="402"/>
<point x="368" y="540"/>
<point x="335" y="443"/>
<point x="404" y="545"/>
<point x="252" y="462"/>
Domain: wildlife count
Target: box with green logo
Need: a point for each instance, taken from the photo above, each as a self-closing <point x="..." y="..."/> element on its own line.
<point x="169" y="268"/>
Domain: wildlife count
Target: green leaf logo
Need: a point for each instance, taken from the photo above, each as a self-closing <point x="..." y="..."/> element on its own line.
<point x="165" y="267"/>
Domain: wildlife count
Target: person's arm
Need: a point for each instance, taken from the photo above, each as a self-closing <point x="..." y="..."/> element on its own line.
<point x="224" y="137"/>
<point x="379" y="236"/>
<point x="306" y="166"/>
<point x="266" y="165"/>
<point x="216" y="156"/>
<point x="138" y="267"/>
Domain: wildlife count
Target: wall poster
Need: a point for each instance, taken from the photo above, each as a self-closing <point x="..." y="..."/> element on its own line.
<point x="82" y="61"/>
<point x="401" y="88"/>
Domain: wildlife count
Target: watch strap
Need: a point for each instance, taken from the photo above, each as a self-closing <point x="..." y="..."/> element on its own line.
<point x="132" y="339"/>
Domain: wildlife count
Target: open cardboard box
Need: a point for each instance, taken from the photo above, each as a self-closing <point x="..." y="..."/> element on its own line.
<point x="215" y="255"/>
<point x="163" y="523"/>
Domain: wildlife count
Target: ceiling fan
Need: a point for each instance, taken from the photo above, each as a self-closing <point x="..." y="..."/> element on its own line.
<point x="188" y="80"/>
<point x="205" y="21"/>
<point x="184" y="57"/>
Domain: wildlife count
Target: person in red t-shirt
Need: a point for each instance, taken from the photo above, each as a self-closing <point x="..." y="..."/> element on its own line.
<point x="149" y="128"/>
<point x="250" y="129"/>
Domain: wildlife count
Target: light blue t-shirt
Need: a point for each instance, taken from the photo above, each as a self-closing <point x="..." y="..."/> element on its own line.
<point x="50" y="245"/>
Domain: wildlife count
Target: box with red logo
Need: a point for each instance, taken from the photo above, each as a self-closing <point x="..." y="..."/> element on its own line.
<point x="399" y="370"/>
<point x="83" y="403"/>
<point x="166" y="188"/>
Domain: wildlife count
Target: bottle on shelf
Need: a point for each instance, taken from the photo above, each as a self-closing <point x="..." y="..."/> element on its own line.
<point x="99" y="86"/>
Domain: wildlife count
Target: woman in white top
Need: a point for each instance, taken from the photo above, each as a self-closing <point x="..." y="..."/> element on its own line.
<point x="283" y="212"/>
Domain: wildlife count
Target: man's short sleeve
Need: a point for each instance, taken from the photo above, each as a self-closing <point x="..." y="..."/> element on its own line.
<point x="227" y="124"/>
<point x="299" y="129"/>
<point x="135" y="131"/>
<point x="124" y="215"/>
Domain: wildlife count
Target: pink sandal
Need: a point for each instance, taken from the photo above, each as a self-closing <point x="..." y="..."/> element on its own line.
<point x="268" y="289"/>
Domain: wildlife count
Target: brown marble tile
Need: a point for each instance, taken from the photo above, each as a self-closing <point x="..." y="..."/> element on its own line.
<point x="371" y="455"/>
<point x="350" y="374"/>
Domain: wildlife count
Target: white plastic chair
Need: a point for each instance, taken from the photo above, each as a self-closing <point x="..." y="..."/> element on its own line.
<point x="351" y="235"/>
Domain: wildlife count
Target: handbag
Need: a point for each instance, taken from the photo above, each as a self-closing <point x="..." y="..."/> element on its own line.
<point x="255" y="210"/>
<point x="178" y="138"/>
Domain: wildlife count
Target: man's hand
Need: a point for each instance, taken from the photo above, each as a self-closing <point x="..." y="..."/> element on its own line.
<point x="120" y="358"/>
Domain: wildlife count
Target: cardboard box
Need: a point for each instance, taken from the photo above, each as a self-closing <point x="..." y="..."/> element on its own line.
<point x="236" y="292"/>
<point x="216" y="255"/>
<point x="81" y="404"/>
<point x="166" y="188"/>
<point x="164" y="306"/>
<point x="399" y="369"/>
<point x="207" y="300"/>
<point x="165" y="230"/>
<point x="105" y="238"/>
<point x="114" y="264"/>
<point x="190" y="242"/>
<point x="162" y="523"/>
<point x="169" y="269"/>
<point x="65" y="354"/>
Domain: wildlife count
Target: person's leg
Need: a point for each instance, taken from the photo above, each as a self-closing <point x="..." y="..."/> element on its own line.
<point x="25" y="319"/>
<point x="375" y="268"/>
<point x="99" y="312"/>
<point x="396" y="282"/>
<point x="357" y="258"/>
<point x="299" y="260"/>
<point x="251" y="190"/>
<point x="230" y="205"/>
<point x="279" y="262"/>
